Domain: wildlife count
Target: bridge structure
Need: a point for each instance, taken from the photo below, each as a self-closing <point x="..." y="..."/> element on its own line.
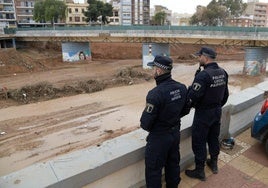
<point x="235" y="36"/>
<point x="155" y="39"/>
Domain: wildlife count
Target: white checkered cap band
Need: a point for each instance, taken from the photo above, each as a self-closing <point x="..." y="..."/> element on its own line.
<point x="162" y="66"/>
<point x="208" y="55"/>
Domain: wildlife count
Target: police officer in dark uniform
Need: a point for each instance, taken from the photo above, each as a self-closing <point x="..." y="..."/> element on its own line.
<point x="208" y="93"/>
<point x="165" y="105"/>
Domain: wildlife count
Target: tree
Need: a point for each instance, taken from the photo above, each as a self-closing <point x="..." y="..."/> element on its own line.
<point x="49" y="11"/>
<point x="217" y="11"/>
<point x="160" y="18"/>
<point x="235" y="7"/>
<point x="98" y="11"/>
<point x="216" y="14"/>
<point x="199" y="15"/>
<point x="39" y="12"/>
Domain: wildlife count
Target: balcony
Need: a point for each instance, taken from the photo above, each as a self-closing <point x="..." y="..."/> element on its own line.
<point x="23" y="14"/>
<point x="6" y="2"/>
<point x="24" y="7"/>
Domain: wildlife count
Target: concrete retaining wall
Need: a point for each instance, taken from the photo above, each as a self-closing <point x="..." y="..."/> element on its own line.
<point x="119" y="162"/>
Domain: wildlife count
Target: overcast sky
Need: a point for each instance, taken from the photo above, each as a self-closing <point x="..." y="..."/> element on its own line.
<point x="187" y="6"/>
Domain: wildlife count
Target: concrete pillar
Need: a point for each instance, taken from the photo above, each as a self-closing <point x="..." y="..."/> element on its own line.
<point x="13" y="43"/>
<point x="150" y="50"/>
<point x="255" y="60"/>
<point x="4" y="44"/>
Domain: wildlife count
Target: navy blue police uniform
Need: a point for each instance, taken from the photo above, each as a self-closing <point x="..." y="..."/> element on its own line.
<point x="208" y="93"/>
<point x="165" y="105"/>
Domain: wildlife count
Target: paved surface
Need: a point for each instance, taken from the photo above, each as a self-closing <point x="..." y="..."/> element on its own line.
<point x="245" y="166"/>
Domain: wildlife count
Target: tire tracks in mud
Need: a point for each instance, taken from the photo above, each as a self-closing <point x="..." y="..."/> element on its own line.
<point x="31" y="133"/>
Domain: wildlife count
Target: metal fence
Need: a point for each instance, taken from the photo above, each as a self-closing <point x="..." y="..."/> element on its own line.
<point x="149" y="28"/>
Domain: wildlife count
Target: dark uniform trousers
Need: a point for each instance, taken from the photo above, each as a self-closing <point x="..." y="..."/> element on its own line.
<point x="162" y="147"/>
<point x="206" y="128"/>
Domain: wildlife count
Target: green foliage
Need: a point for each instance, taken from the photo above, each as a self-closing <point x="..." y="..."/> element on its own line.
<point x="235" y="7"/>
<point x="160" y="18"/>
<point x="217" y="11"/>
<point x="39" y="12"/>
<point x="97" y="11"/>
<point x="49" y="11"/>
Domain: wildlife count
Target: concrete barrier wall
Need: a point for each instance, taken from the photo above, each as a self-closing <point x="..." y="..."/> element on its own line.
<point x="119" y="162"/>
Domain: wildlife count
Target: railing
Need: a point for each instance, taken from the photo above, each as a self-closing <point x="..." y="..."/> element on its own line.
<point x="156" y="28"/>
<point x="241" y="36"/>
<point x="148" y="31"/>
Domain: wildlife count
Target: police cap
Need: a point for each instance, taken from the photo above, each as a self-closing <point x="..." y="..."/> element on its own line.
<point x="162" y="62"/>
<point x="207" y="52"/>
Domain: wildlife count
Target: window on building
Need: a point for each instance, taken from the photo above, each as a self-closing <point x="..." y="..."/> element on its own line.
<point x="116" y="13"/>
<point x="70" y="10"/>
<point x="70" y="19"/>
<point x="83" y="10"/>
<point x="76" y="10"/>
<point x="77" y="19"/>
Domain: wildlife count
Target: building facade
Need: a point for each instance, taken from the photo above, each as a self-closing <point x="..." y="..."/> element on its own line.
<point x="242" y="21"/>
<point x="19" y="13"/>
<point x="115" y="18"/>
<point x="135" y="12"/>
<point x="75" y="13"/>
<point x="160" y="8"/>
<point x="24" y="13"/>
<point x="259" y="11"/>
<point x="7" y="14"/>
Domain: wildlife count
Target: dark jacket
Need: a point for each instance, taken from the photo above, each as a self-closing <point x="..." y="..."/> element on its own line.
<point x="209" y="88"/>
<point x="165" y="105"/>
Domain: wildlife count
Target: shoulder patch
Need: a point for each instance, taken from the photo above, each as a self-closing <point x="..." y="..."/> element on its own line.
<point x="196" y="86"/>
<point x="149" y="108"/>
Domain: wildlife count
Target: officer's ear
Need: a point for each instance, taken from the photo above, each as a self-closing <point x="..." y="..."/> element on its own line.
<point x="159" y="71"/>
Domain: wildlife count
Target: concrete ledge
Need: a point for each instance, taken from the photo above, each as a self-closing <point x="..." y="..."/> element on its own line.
<point x="263" y="86"/>
<point x="37" y="175"/>
<point x="245" y="99"/>
<point x="225" y="122"/>
<point x="242" y="120"/>
<point x="81" y="167"/>
<point x="244" y="107"/>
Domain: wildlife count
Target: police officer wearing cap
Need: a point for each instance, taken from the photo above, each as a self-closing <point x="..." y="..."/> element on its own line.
<point x="165" y="105"/>
<point x="208" y="93"/>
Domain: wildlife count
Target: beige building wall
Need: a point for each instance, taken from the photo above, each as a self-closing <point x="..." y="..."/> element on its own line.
<point x="115" y="18"/>
<point x="75" y="13"/>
